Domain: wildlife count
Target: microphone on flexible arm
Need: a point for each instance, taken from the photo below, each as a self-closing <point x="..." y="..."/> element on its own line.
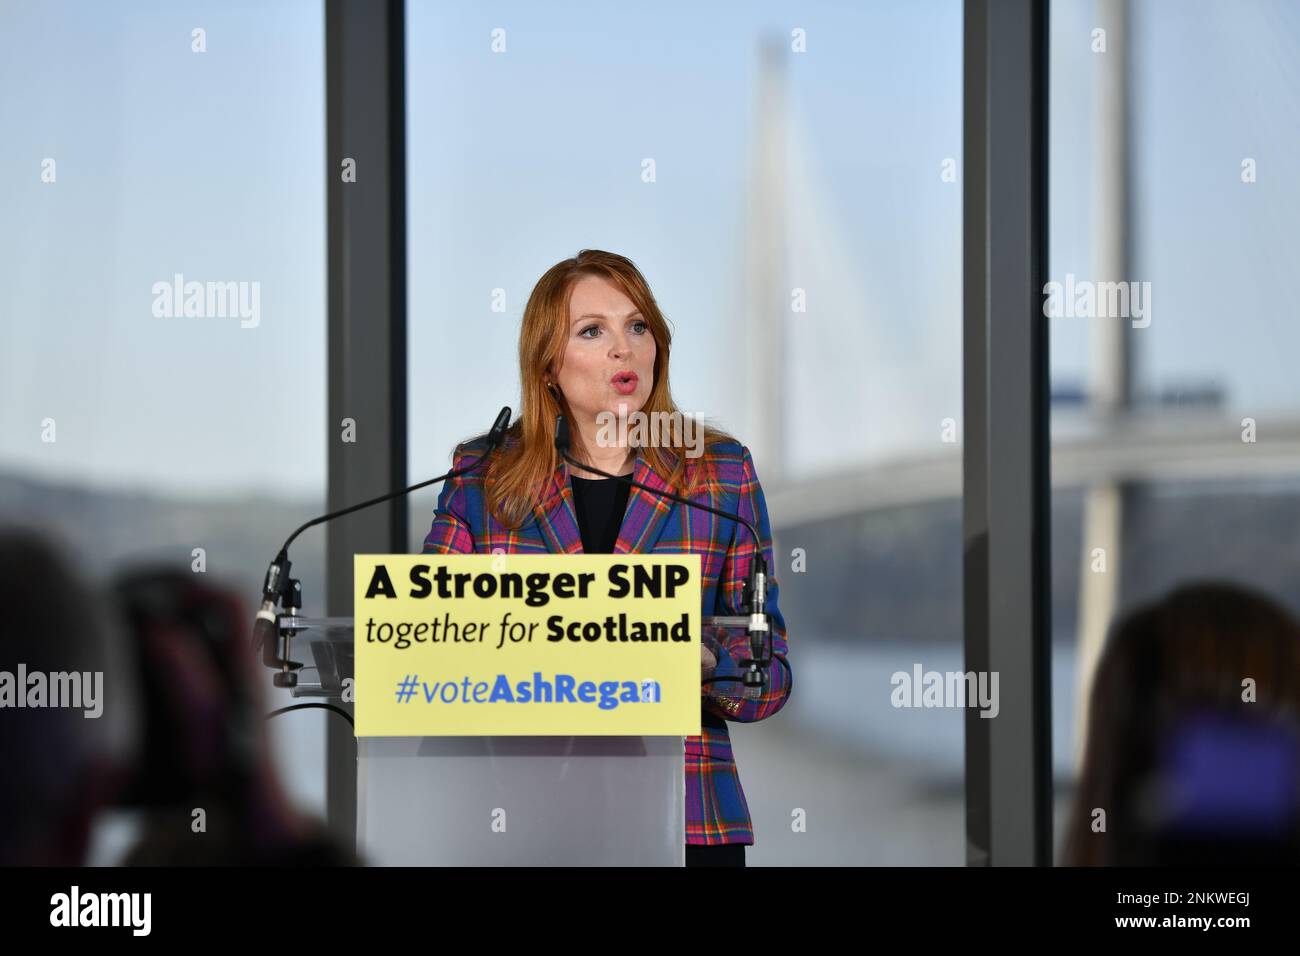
<point x="755" y="592"/>
<point x="279" y="589"/>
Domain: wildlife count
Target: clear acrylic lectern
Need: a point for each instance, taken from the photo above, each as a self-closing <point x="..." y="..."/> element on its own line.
<point x="500" y="801"/>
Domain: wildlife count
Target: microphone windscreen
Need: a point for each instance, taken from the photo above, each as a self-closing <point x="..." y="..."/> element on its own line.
<point x="499" y="427"/>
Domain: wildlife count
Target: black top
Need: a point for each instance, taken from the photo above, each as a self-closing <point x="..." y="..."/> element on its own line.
<point x="599" y="503"/>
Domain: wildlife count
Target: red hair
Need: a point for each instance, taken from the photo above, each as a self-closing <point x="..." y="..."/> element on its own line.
<point x="518" y="475"/>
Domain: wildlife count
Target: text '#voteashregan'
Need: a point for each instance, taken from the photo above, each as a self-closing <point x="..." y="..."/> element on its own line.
<point x="428" y="623"/>
<point x="563" y="688"/>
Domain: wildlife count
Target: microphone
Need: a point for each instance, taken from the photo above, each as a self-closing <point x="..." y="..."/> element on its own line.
<point x="279" y="588"/>
<point x="755" y="591"/>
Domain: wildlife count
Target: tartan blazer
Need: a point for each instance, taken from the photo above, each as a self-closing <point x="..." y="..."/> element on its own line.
<point x="716" y="809"/>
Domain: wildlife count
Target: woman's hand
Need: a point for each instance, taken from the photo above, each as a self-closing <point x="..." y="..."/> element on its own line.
<point x="708" y="661"/>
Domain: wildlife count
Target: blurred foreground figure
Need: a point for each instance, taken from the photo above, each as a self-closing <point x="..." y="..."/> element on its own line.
<point x="206" y="781"/>
<point x="66" y="708"/>
<point x="1193" y="751"/>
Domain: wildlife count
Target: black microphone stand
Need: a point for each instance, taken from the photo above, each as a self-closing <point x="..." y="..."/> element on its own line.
<point x="280" y="588"/>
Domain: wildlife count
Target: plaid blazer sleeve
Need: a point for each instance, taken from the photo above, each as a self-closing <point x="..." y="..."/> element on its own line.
<point x="450" y="532"/>
<point x="731" y="646"/>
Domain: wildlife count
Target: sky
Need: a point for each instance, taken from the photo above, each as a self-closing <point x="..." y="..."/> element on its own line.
<point x="211" y="164"/>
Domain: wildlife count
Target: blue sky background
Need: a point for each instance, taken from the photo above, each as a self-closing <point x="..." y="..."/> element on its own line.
<point x="212" y="165"/>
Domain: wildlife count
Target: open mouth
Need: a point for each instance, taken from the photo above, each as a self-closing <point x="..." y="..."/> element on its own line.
<point x="624" y="382"/>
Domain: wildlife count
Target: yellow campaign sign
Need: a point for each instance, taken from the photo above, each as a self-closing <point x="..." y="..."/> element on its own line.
<point x="527" y="644"/>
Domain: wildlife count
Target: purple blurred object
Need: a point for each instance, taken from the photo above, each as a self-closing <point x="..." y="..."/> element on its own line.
<point x="1230" y="776"/>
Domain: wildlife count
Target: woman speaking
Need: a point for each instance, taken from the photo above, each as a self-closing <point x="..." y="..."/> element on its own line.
<point x="594" y="347"/>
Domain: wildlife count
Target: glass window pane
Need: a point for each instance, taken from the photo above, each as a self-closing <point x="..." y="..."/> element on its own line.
<point x="136" y="425"/>
<point x="1174" y="413"/>
<point x="786" y="195"/>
